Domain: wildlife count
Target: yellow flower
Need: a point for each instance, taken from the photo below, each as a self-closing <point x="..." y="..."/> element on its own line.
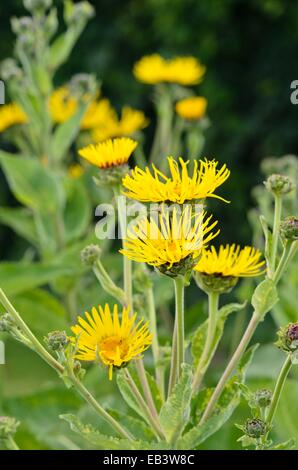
<point x="192" y="108"/>
<point x="231" y="261"/>
<point x="168" y="237"/>
<point x="62" y="105"/>
<point x="104" y="337"/>
<point x="10" y="115"/>
<point x="155" y="69"/>
<point x="112" y="152"/>
<point x="180" y="187"/>
<point x="97" y="114"/>
<point x="75" y="170"/>
<point x="131" y="121"/>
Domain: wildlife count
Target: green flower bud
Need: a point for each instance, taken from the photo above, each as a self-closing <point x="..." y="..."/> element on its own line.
<point x="255" y="428"/>
<point x="37" y="5"/>
<point x="183" y="268"/>
<point x="78" y="12"/>
<point x="23" y="26"/>
<point x="8" y="426"/>
<point x="289" y="228"/>
<point x="9" y="69"/>
<point x="288" y="338"/>
<point x="215" y="283"/>
<point x="6" y="322"/>
<point x="262" y="397"/>
<point x="111" y="176"/>
<point x="279" y="184"/>
<point x="90" y="255"/>
<point x="57" y="340"/>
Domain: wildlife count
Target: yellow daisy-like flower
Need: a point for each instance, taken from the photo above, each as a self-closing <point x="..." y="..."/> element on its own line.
<point x="180" y="186"/>
<point x="192" y="109"/>
<point x="111" y="153"/>
<point x="155" y="69"/>
<point x="104" y="337"/>
<point x="169" y="237"/>
<point x="97" y="114"/>
<point x="11" y="115"/>
<point x="131" y="121"/>
<point x="62" y="105"/>
<point x="231" y="261"/>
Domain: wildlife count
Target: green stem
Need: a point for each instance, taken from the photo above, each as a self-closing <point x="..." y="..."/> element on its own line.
<point x="108" y="284"/>
<point x="230" y="367"/>
<point x="179" y="314"/>
<point x="11" y="443"/>
<point x="173" y="370"/>
<point x="47" y="357"/>
<point x="152" y="421"/>
<point x="213" y="299"/>
<point x="278" y="389"/>
<point x="140" y="157"/>
<point x="275" y="232"/>
<point x="287" y="256"/>
<point x="155" y="345"/>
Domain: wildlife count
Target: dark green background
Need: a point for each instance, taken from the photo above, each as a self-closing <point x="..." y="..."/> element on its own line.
<point x="250" y="50"/>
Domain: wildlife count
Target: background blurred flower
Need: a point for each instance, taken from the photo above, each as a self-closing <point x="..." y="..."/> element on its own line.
<point x="192" y="108"/>
<point x="131" y="121"/>
<point x="10" y="115"/>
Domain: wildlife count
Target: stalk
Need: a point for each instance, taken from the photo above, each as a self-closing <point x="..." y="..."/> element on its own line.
<point x="213" y="299"/>
<point x="275" y="232"/>
<point x="278" y="389"/>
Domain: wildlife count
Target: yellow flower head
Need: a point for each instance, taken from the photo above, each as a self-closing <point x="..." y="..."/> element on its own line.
<point x="231" y="261"/>
<point x="155" y="69"/>
<point x="10" y="115"/>
<point x="104" y="337"/>
<point x="131" y="121"/>
<point x="62" y="105"/>
<point x="97" y="114"/>
<point x="111" y="153"/>
<point x="180" y="186"/>
<point x="168" y="237"/>
<point x="192" y="108"/>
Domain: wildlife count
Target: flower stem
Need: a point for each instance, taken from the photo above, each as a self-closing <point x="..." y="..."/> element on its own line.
<point x="11" y="443"/>
<point x="275" y="232"/>
<point x="173" y="370"/>
<point x="47" y="357"/>
<point x="278" y="389"/>
<point x="287" y="255"/>
<point x="152" y="421"/>
<point x="206" y="356"/>
<point x="179" y="314"/>
<point x="232" y="364"/>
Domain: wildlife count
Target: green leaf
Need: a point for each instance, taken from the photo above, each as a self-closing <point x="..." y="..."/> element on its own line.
<point x="175" y="412"/>
<point x="268" y="239"/>
<point x="94" y="437"/>
<point x="41" y="311"/>
<point x="21" y="221"/>
<point x="66" y="133"/>
<point x="78" y="210"/>
<point x="32" y="184"/>
<point x="287" y="445"/>
<point x="134" y="425"/>
<point x="127" y="394"/>
<point x="19" y="277"/>
<point x="264" y="297"/>
<point x="199" y="337"/>
<point x="152" y="385"/>
<point x="226" y="405"/>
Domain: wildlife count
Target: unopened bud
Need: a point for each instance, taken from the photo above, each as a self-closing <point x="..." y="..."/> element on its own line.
<point x="215" y="282"/>
<point x="289" y="228"/>
<point x="78" y="12"/>
<point x="8" y="426"/>
<point x="6" y="322"/>
<point x="37" y="5"/>
<point x="9" y="69"/>
<point x="22" y="26"/>
<point x="279" y="184"/>
<point x="57" y="340"/>
<point x="90" y="255"/>
<point x="262" y="397"/>
<point x="82" y="86"/>
<point x="288" y="338"/>
<point x="255" y="428"/>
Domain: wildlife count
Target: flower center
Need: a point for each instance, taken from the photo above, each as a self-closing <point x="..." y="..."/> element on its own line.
<point x="113" y="351"/>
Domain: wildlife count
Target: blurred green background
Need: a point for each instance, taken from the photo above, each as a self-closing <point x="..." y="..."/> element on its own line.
<point x="249" y="48"/>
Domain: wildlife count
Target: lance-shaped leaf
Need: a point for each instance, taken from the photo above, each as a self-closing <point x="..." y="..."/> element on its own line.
<point x="264" y="297"/>
<point x="174" y="413"/>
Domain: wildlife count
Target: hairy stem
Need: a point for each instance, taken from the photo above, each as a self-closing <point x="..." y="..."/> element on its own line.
<point x="278" y="389"/>
<point x="275" y="232"/>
